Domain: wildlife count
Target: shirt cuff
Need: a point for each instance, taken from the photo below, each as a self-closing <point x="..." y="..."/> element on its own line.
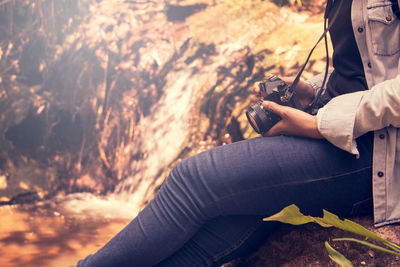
<point x="336" y="122"/>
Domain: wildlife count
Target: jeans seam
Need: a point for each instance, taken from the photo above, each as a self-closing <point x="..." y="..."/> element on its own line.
<point x="287" y="184"/>
<point x="235" y="246"/>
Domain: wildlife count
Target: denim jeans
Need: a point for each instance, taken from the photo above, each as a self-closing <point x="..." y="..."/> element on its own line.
<point x="210" y="208"/>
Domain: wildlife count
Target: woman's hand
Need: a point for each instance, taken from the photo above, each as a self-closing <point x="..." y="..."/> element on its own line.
<point x="294" y="122"/>
<point x="304" y="91"/>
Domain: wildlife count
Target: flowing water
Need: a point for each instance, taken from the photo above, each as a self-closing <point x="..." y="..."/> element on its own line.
<point x="196" y="61"/>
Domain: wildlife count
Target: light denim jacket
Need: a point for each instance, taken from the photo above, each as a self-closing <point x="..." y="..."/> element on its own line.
<point x="346" y="117"/>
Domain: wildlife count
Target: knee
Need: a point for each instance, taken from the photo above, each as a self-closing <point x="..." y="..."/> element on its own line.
<point x="184" y="172"/>
<point x="190" y="179"/>
<point x="183" y="189"/>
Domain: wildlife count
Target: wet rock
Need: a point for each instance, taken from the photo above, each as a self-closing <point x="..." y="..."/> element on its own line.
<point x="27" y="135"/>
<point x="27" y="197"/>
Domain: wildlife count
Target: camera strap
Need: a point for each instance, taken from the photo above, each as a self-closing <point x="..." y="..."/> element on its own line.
<point x="328" y="9"/>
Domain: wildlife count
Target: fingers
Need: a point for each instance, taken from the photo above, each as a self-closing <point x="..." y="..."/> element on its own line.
<point x="274" y="107"/>
<point x="277" y="129"/>
<point x="257" y="94"/>
<point x="254" y="99"/>
<point x="293" y="122"/>
<point x="256" y="90"/>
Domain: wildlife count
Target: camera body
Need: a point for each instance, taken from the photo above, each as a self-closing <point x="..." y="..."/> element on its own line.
<point x="271" y="89"/>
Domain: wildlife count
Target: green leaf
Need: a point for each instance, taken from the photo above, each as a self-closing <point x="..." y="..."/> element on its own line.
<point x="337" y="256"/>
<point x="353" y="227"/>
<point x="367" y="244"/>
<point x="292" y="215"/>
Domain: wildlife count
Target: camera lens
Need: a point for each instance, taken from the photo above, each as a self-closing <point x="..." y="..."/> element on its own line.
<point x="257" y="118"/>
<point x="252" y="121"/>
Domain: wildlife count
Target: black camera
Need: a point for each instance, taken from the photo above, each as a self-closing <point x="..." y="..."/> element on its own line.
<point x="271" y="89"/>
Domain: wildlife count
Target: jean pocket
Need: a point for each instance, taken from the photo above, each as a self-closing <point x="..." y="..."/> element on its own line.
<point x="384" y="28"/>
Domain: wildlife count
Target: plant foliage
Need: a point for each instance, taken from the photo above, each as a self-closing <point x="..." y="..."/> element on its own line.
<point x="292" y="215"/>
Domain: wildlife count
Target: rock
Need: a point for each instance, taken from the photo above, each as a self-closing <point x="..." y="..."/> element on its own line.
<point x="304" y="246"/>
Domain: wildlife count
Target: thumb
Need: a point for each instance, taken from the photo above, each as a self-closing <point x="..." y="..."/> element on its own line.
<point x="273" y="107"/>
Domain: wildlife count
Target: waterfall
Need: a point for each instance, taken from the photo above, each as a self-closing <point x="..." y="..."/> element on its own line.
<point x="118" y="99"/>
<point x="191" y="65"/>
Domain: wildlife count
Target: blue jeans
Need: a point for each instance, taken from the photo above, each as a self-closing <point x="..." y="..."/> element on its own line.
<point x="210" y="208"/>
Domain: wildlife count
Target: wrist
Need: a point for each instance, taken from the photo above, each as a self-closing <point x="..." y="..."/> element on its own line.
<point x="315" y="133"/>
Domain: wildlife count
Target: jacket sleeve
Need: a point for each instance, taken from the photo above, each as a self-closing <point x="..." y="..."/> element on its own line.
<point x="349" y="116"/>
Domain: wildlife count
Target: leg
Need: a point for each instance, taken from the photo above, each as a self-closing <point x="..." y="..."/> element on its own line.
<point x="253" y="177"/>
<point x="226" y="238"/>
<point x="221" y="240"/>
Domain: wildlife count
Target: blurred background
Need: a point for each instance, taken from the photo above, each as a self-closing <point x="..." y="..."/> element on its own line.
<point x="99" y="99"/>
